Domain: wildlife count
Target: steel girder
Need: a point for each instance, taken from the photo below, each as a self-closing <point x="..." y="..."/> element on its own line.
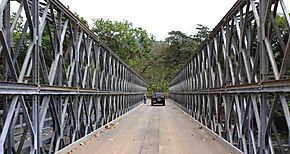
<point x="237" y="82"/>
<point x="58" y="82"/>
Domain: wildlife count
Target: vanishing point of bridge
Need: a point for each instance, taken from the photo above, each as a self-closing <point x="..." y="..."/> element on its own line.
<point x="60" y="85"/>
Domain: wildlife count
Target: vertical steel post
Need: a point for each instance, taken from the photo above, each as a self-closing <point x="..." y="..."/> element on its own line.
<point x="6" y="74"/>
<point x="35" y="77"/>
<point x="263" y="77"/>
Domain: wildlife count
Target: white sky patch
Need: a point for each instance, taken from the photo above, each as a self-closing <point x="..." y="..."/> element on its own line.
<point x="158" y="17"/>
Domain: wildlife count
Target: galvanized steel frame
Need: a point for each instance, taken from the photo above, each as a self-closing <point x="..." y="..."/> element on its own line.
<point x="51" y="97"/>
<point x="235" y="82"/>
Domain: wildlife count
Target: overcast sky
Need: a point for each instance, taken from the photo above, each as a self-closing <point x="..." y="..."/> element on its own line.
<point x="158" y="17"/>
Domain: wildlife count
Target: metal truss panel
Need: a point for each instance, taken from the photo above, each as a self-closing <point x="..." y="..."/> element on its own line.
<point x="58" y="81"/>
<point x="237" y="82"/>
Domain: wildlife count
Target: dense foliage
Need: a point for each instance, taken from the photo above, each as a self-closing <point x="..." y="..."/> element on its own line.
<point x="169" y="56"/>
<point x="131" y="44"/>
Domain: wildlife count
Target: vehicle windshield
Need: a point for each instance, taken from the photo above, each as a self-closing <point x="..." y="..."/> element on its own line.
<point x="157" y="94"/>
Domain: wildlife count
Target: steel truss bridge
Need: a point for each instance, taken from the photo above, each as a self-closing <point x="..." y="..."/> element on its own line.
<point x="54" y="96"/>
<point x="59" y="82"/>
<point x="235" y="82"/>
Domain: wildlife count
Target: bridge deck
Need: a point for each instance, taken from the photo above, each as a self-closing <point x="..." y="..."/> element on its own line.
<point x="152" y="129"/>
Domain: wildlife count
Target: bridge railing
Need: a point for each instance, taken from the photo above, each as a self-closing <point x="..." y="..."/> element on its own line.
<point x="58" y="82"/>
<point x="237" y="82"/>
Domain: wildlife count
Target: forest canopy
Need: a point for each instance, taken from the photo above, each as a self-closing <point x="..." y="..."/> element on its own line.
<point x="156" y="61"/>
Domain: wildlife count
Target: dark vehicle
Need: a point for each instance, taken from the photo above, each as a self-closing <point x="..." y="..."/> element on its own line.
<point x="158" y="98"/>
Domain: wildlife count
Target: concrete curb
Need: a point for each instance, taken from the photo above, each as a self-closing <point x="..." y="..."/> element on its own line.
<point x="77" y="143"/>
<point x="211" y="133"/>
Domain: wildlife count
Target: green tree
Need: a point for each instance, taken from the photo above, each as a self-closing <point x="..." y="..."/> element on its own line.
<point x="83" y="20"/>
<point x="180" y="47"/>
<point x="154" y="70"/>
<point x="280" y="45"/>
<point x="130" y="43"/>
<point x="166" y="58"/>
<point x="202" y="33"/>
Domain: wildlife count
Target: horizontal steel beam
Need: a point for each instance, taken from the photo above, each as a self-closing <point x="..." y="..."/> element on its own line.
<point x="30" y="89"/>
<point x="279" y="86"/>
